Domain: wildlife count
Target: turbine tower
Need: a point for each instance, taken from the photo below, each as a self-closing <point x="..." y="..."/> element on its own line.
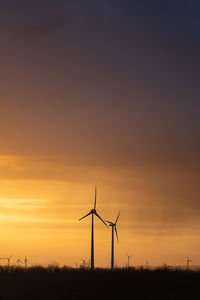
<point x="188" y="260"/>
<point x="25" y="262"/>
<point x="93" y="212"/>
<point x="114" y="228"/>
<point x="129" y="256"/>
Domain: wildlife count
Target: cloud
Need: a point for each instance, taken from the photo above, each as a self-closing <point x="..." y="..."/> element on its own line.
<point x="39" y="30"/>
<point x="18" y="204"/>
<point x="33" y="22"/>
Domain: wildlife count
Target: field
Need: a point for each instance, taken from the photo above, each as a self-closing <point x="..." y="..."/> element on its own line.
<point x="66" y="283"/>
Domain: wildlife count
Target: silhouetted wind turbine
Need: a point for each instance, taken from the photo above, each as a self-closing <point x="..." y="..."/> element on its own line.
<point x="84" y="263"/>
<point x="188" y="260"/>
<point x="93" y="212"/>
<point x="25" y="262"/>
<point x="114" y="228"/>
<point x="8" y="259"/>
<point x="129" y="256"/>
<point x="18" y="261"/>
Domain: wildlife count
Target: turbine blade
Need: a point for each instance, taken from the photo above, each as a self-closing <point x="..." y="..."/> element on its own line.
<point x="85" y="216"/>
<point x="95" y="197"/>
<point x="100" y="218"/>
<point x="117" y="218"/>
<point x="108" y="222"/>
<point x="116" y="234"/>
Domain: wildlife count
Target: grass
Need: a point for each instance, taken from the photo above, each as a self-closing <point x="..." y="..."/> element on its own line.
<point x="65" y="283"/>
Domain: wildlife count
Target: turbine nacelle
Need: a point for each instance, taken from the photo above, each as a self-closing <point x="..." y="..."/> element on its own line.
<point x="114" y="225"/>
<point x="93" y="211"/>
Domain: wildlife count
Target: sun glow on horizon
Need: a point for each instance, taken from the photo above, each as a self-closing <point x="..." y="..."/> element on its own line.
<point x="44" y="210"/>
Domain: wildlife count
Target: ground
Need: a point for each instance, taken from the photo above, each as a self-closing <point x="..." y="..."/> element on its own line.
<point x="65" y="283"/>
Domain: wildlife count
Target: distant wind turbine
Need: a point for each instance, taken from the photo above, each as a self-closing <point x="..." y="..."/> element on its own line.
<point x="8" y="259"/>
<point x="129" y="256"/>
<point x="84" y="263"/>
<point x="18" y="261"/>
<point x="114" y="228"/>
<point x="25" y="261"/>
<point x="188" y="260"/>
<point x="93" y="212"/>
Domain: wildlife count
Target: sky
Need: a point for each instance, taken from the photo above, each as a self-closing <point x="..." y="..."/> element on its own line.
<point x="105" y="93"/>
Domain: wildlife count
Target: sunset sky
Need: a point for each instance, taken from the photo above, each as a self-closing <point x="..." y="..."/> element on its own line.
<point x="105" y="93"/>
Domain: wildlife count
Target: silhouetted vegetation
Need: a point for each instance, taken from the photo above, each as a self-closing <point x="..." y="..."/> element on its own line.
<point x="66" y="283"/>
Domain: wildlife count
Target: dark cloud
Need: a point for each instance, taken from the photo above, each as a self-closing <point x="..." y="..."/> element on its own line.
<point x="39" y="30"/>
<point x="114" y="84"/>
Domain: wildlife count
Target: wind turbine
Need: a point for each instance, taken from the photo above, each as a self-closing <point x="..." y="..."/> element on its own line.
<point x="25" y="262"/>
<point x="8" y="259"/>
<point x="18" y="261"/>
<point x="188" y="260"/>
<point x="129" y="256"/>
<point x="93" y="212"/>
<point x="114" y="228"/>
<point x="84" y="263"/>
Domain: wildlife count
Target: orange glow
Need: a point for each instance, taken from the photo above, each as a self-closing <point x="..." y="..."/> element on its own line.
<point x="39" y="217"/>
